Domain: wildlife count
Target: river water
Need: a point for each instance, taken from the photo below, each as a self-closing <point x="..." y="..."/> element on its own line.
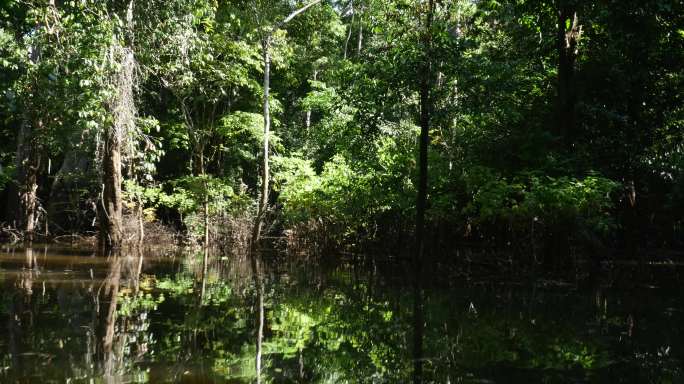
<point x="68" y="316"/>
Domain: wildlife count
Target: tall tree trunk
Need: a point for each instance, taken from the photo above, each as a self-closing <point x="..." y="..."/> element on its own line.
<point x="122" y="109"/>
<point x="425" y="109"/>
<point x="30" y="196"/>
<point x="29" y="188"/>
<point x="263" y="201"/>
<point x="111" y="227"/>
<point x="569" y="32"/>
<point x="421" y="200"/>
<point x="17" y="199"/>
<point x="23" y="201"/>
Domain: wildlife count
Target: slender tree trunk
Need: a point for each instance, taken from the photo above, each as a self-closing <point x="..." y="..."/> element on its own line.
<point x="205" y="271"/>
<point x="205" y="202"/>
<point x="140" y="208"/>
<point x="421" y="200"/>
<point x="263" y="201"/>
<point x="205" y="256"/>
<point x="425" y="109"/>
<point x="349" y="33"/>
<point x="569" y="32"/>
<point x="206" y="222"/>
<point x="141" y="224"/>
<point x="205" y="207"/>
<point x="307" y="122"/>
<point x="359" y="42"/>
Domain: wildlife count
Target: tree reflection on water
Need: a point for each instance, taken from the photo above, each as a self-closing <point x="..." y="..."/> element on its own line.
<point x="129" y="318"/>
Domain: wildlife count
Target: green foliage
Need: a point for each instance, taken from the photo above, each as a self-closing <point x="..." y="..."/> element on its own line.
<point x="190" y="193"/>
<point x="129" y="305"/>
<point x="179" y="286"/>
<point x="6" y="175"/>
<point x="547" y="200"/>
<point x="340" y="195"/>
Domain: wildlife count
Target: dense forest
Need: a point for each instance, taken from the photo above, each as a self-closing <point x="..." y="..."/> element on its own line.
<point x="544" y="129"/>
<point x="342" y="191"/>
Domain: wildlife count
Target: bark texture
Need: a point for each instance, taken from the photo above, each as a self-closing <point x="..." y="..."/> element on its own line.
<point x="28" y="161"/>
<point x="122" y="109"/>
<point x="111" y="222"/>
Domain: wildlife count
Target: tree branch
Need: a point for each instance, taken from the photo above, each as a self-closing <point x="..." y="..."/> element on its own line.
<point x="294" y="14"/>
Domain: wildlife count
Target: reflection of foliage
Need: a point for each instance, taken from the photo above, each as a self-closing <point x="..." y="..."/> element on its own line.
<point x="293" y="330"/>
<point x="136" y="303"/>
<point x="181" y="285"/>
<point x="354" y="331"/>
<point x="217" y="293"/>
<point x="516" y="342"/>
<point x="342" y="334"/>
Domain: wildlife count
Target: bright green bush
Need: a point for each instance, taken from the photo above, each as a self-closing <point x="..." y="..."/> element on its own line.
<point x="350" y="199"/>
<point x="340" y="195"/>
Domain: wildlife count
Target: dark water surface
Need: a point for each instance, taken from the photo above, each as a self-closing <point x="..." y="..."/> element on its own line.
<point x="72" y="317"/>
